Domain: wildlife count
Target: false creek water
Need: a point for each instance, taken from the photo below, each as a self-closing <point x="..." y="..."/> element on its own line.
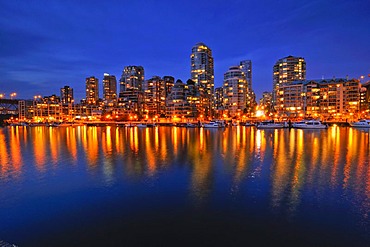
<point x="172" y="186"/>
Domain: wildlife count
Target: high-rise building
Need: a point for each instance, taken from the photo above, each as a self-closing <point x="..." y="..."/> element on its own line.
<point x="131" y="93"/>
<point x="202" y="67"/>
<point x="155" y="96"/>
<point x="192" y="95"/>
<point x="92" y="90"/>
<point x="67" y="100"/>
<point x="109" y="90"/>
<point x="246" y="67"/>
<point x="177" y="105"/>
<point x="219" y="101"/>
<point x="132" y="78"/>
<point x="202" y="73"/>
<point x="235" y="91"/>
<point x="169" y="81"/>
<point x="287" y="70"/>
<point x="265" y="101"/>
<point x="66" y="95"/>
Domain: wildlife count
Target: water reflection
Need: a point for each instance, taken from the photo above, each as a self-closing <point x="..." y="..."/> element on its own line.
<point x="4" y="157"/>
<point x="285" y="163"/>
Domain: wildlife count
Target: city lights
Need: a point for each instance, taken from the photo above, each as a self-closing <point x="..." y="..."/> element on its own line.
<point x="165" y="99"/>
<point x="12" y="95"/>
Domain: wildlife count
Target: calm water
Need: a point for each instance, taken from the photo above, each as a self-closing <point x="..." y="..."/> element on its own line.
<point x="170" y="186"/>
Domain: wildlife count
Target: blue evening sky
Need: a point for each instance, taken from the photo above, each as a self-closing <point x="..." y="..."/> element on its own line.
<point x="45" y="45"/>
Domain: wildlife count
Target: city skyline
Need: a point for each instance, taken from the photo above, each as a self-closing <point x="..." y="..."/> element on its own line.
<point x="48" y="45"/>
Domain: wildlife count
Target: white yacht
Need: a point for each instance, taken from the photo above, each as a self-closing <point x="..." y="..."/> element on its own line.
<point x="271" y="125"/>
<point x="212" y="124"/>
<point x="310" y="124"/>
<point x="362" y="123"/>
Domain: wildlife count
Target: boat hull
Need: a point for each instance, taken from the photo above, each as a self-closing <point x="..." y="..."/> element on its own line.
<point x="359" y="125"/>
<point x="211" y="126"/>
<point x="311" y="127"/>
<point x="310" y="124"/>
<point x="277" y="126"/>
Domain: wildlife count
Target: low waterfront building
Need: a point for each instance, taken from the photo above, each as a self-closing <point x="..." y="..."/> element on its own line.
<point x="328" y="99"/>
<point x="47" y="109"/>
<point x="365" y="99"/>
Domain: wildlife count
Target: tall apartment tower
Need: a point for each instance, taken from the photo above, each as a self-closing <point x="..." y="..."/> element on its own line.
<point x="176" y="103"/>
<point x="92" y="90"/>
<point x="285" y="71"/>
<point x="246" y="67"/>
<point x="235" y="91"/>
<point x="132" y="78"/>
<point x="109" y="90"/>
<point x="155" y="96"/>
<point x="202" y="73"/>
<point x="131" y="90"/>
<point x="66" y="95"/>
<point x="169" y="82"/>
<point x="219" y="101"/>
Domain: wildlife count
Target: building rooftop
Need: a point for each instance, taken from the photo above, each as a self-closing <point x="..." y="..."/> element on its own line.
<point x="323" y="81"/>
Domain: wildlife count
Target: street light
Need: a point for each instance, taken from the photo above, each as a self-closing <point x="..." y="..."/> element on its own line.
<point x="13" y="95"/>
<point x="37" y="97"/>
<point x="2" y="95"/>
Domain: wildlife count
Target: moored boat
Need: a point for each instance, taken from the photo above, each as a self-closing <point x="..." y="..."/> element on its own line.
<point x="212" y="124"/>
<point x="249" y="124"/>
<point x="24" y="124"/>
<point x="70" y="124"/>
<point x="362" y="123"/>
<point x="52" y="124"/>
<point x="64" y="124"/>
<point x="191" y="125"/>
<point x="309" y="124"/>
<point x="271" y="125"/>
